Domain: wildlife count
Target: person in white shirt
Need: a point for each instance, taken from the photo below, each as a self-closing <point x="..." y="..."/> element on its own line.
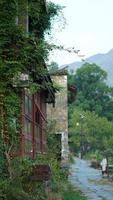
<point x="104" y="166"/>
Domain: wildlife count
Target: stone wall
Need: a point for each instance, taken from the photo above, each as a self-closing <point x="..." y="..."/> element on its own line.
<point x="59" y="113"/>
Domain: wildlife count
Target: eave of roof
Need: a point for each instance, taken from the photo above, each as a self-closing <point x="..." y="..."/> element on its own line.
<point x="60" y="72"/>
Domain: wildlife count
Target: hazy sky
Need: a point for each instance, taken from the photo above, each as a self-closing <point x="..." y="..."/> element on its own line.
<point x="89" y="28"/>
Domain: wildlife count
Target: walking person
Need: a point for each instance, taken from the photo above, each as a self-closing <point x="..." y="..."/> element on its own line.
<point x="104" y="166"/>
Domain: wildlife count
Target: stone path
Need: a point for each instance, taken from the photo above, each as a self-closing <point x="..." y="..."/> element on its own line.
<point x="90" y="181"/>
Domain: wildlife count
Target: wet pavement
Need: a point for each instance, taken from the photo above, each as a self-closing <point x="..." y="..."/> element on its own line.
<point x="90" y="181"/>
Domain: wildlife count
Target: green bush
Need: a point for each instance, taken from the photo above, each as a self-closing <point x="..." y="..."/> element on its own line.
<point x="71" y="194"/>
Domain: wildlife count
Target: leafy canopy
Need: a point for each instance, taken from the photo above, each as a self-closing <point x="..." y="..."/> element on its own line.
<point x="95" y="132"/>
<point x="93" y="94"/>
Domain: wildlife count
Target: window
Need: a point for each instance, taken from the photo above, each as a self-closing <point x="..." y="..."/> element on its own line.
<point x="23" y="18"/>
<point x="38" y="98"/>
<point x="27" y="127"/>
<point x="34" y="124"/>
<point x="37" y="117"/>
<point x="37" y="139"/>
<point x="28" y="105"/>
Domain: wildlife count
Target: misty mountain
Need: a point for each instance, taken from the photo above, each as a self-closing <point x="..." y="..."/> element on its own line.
<point x="105" y="61"/>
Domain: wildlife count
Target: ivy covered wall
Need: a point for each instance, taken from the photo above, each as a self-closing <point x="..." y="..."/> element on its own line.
<point x="21" y="51"/>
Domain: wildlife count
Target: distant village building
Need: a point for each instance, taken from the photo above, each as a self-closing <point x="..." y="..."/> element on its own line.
<point x="59" y="113"/>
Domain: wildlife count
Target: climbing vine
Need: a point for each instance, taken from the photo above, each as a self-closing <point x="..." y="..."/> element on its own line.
<point x="21" y="52"/>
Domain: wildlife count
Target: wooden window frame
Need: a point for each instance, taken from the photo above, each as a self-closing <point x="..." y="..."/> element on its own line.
<point x="38" y="144"/>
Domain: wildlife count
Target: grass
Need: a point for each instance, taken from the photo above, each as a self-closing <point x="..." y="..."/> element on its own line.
<point x="72" y="194"/>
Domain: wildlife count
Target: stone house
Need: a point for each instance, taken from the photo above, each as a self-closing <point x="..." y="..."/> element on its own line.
<point x="59" y="113"/>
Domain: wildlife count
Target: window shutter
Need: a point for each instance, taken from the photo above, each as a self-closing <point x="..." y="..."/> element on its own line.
<point x="23" y="14"/>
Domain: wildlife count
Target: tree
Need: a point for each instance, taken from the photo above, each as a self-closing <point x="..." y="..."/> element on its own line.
<point x="93" y="94"/>
<point x="95" y="132"/>
<point x="53" y="67"/>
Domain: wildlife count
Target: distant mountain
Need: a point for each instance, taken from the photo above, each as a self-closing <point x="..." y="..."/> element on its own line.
<point x="105" y="61"/>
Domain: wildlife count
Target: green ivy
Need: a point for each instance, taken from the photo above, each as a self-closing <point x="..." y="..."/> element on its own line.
<point x="20" y="52"/>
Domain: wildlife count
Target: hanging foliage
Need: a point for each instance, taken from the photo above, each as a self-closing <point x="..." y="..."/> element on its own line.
<point x="20" y="53"/>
